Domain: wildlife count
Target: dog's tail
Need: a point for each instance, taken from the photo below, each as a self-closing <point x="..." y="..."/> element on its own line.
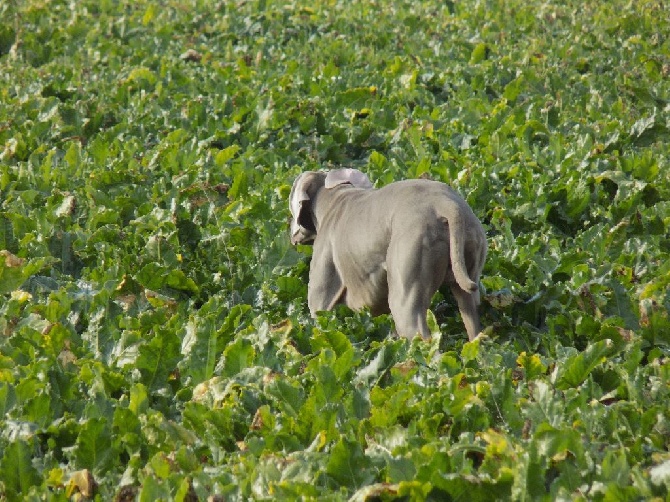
<point x="457" y="239"/>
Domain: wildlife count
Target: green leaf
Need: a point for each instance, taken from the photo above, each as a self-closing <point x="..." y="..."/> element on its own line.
<point x="554" y="443"/>
<point x="223" y="156"/>
<point x="578" y="199"/>
<point x="377" y="365"/>
<point x="158" y="359"/>
<point x="335" y="340"/>
<point x="468" y="487"/>
<point x="479" y="53"/>
<point x="530" y="475"/>
<point x="14" y="271"/>
<point x="649" y="130"/>
<point x="470" y="351"/>
<point x="154" y="489"/>
<point x="73" y="156"/>
<point x="357" y="96"/>
<point x="615" y="467"/>
<point x="289" y="396"/>
<point x="576" y="369"/>
<point x="201" y="347"/>
<point x="7" y="398"/>
<point x="237" y="356"/>
<point x="348" y="465"/>
<point x="18" y="472"/>
<point x="143" y="77"/>
<point x="378" y="160"/>
<point x="149" y="15"/>
<point x="514" y="88"/>
<point x="94" y="449"/>
<point x="240" y="185"/>
<point x="154" y="277"/>
<point x="139" y="402"/>
<point x="291" y="287"/>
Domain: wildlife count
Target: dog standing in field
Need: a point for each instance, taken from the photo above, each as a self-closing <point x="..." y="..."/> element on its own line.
<point x="388" y="249"/>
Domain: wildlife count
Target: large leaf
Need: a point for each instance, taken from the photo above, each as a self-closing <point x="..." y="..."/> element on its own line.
<point x="575" y="369"/>
<point x="14" y="271"/>
<point x="556" y="443"/>
<point x="348" y="465"/>
<point x="237" y="356"/>
<point x="205" y="338"/>
<point x="158" y="358"/>
<point x="94" y="449"/>
<point x="18" y="472"/>
<point x="154" y="277"/>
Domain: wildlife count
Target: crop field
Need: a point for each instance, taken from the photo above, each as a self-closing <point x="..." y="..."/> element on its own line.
<point x="155" y="342"/>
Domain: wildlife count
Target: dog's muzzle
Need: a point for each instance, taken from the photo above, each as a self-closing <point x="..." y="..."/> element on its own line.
<point x="302" y="236"/>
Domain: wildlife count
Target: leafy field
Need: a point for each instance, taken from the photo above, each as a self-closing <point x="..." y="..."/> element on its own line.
<point x="155" y="341"/>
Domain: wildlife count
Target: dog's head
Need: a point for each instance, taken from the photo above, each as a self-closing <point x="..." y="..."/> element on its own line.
<point x="303" y="194"/>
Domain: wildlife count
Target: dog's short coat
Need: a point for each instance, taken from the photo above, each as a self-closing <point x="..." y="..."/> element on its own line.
<point x="388" y="249"/>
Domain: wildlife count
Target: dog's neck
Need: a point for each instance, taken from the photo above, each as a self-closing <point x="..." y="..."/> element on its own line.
<point x="328" y="200"/>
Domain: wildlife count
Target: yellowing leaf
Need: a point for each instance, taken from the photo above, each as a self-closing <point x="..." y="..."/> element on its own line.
<point x="319" y="442"/>
<point x="21" y="296"/>
<point x="142" y="76"/>
<point x="82" y="482"/>
<point x="479" y="53"/>
<point x="497" y="443"/>
<point x="470" y="350"/>
<point x="11" y="261"/>
<point x="55" y="477"/>
<point x="531" y="364"/>
<point x="149" y="14"/>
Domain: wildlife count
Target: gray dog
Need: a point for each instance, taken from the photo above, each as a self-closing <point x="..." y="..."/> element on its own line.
<point x="388" y="249"/>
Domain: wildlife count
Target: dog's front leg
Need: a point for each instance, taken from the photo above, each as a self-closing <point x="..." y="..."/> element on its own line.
<point x="325" y="289"/>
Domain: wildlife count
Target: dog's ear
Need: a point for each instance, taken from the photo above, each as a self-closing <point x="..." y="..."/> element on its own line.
<point x="352" y="176"/>
<point x="303" y="229"/>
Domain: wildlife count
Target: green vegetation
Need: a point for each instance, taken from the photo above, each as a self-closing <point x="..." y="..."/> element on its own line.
<point x="154" y="336"/>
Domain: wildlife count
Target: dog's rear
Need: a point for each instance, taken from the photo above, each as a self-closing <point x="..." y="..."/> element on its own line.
<point x="468" y="246"/>
<point x="436" y="239"/>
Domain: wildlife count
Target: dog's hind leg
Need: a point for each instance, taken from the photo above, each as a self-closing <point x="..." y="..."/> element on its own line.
<point x="409" y="312"/>
<point x="467" y="304"/>
<point x="415" y="271"/>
